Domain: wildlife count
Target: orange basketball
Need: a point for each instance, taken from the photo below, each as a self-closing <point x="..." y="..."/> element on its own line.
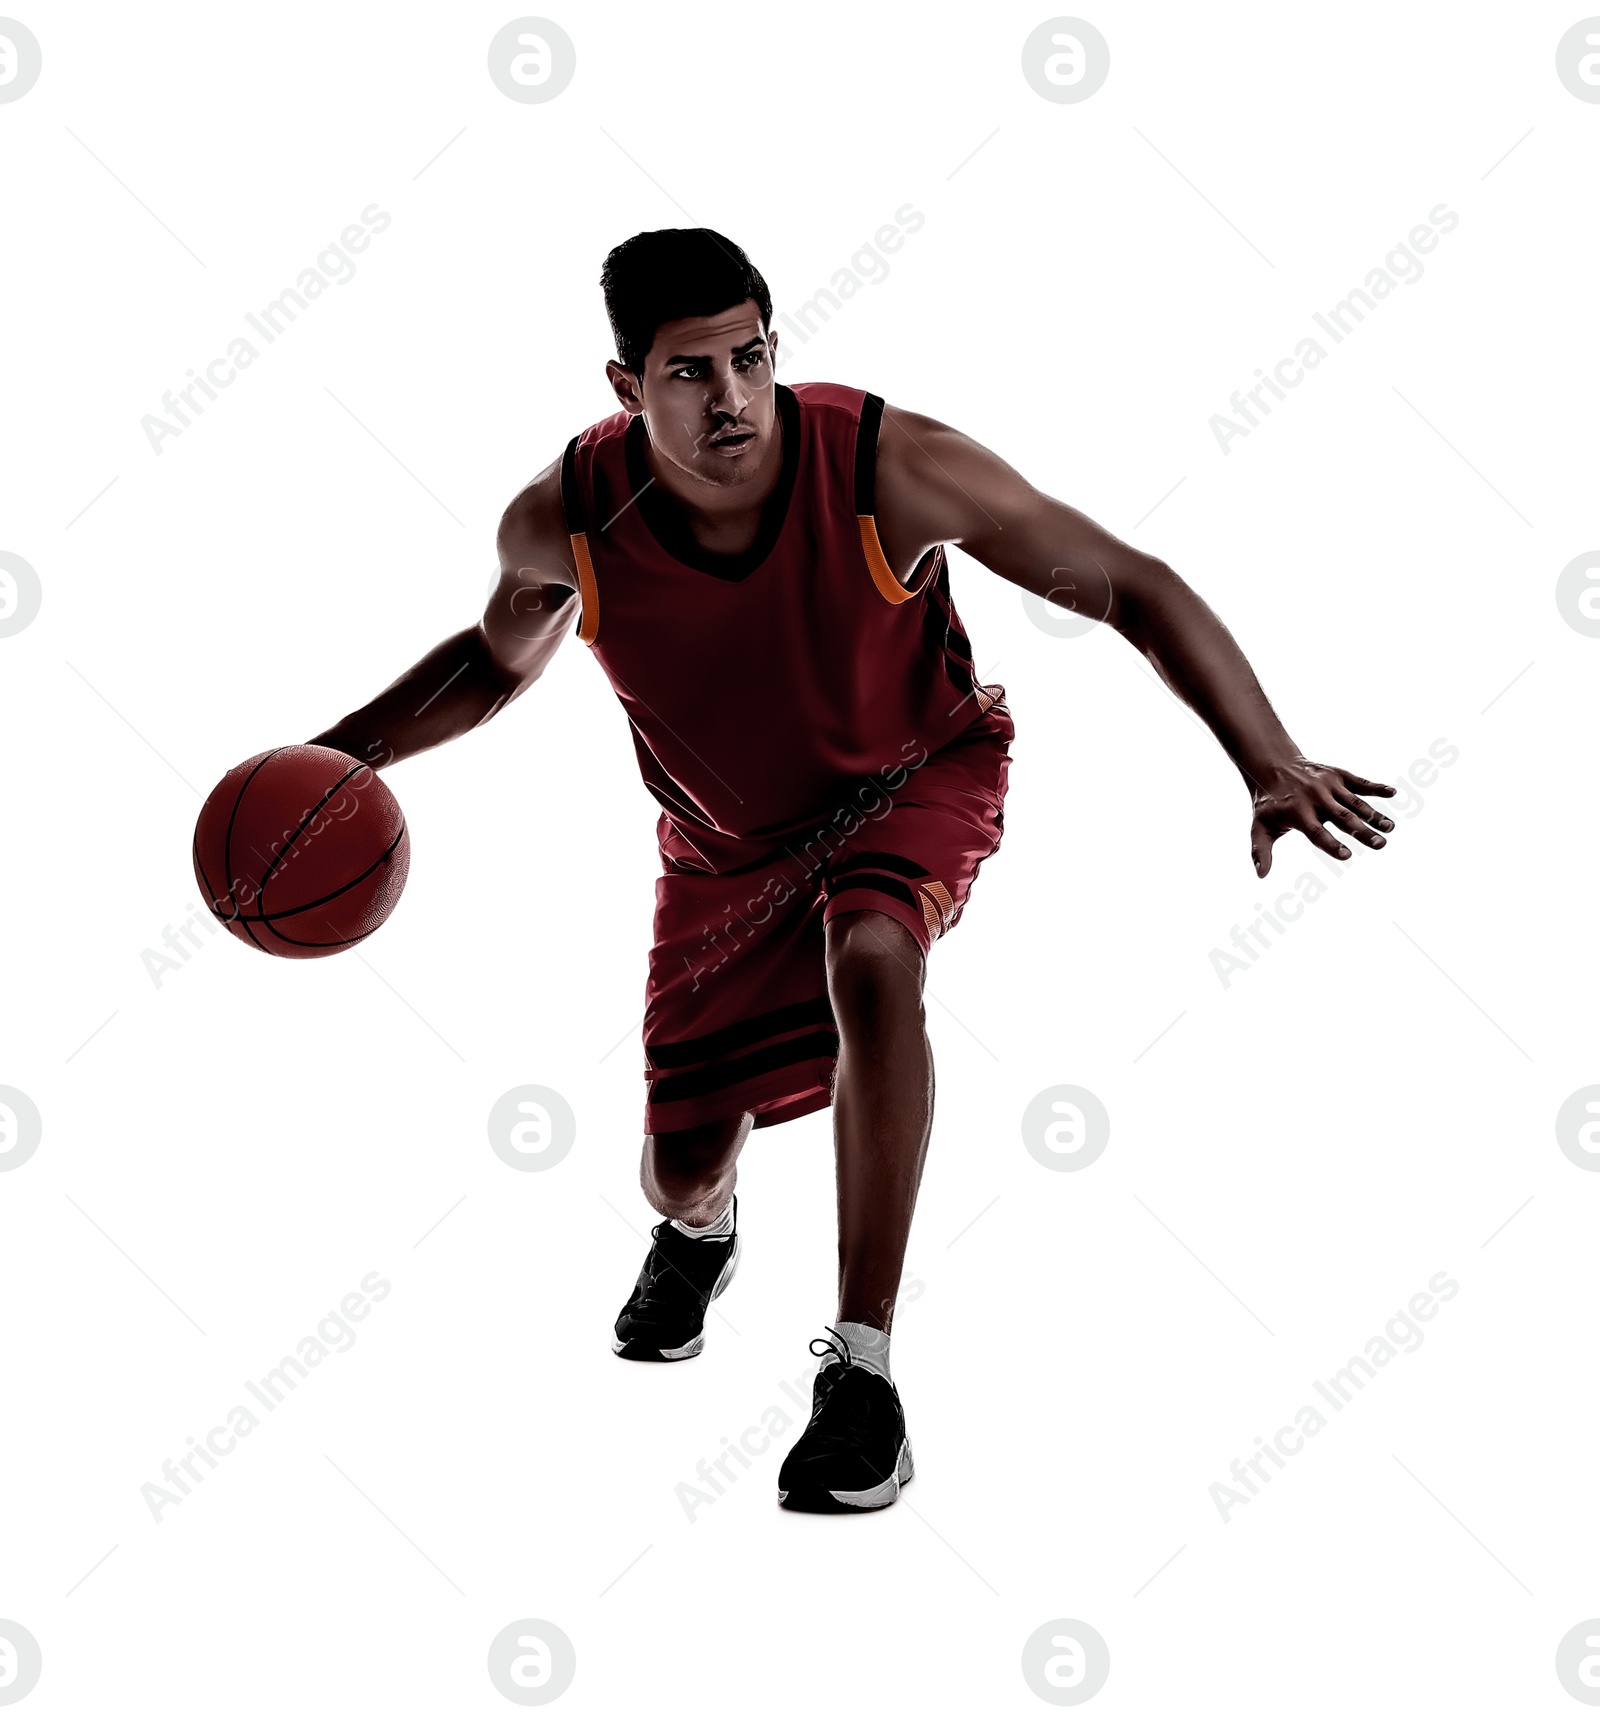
<point x="301" y="851"/>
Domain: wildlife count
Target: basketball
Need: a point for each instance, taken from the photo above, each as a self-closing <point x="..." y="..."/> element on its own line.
<point x="301" y="851"/>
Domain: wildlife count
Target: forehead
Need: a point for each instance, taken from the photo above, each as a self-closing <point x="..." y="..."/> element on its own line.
<point x="722" y="332"/>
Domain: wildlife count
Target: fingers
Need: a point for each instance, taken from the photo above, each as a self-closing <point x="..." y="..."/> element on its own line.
<point x="1366" y="811"/>
<point x="1261" y="849"/>
<point x="1325" y="840"/>
<point x="1347" y="822"/>
<point x="1327" y="794"/>
<point x="1364" y="786"/>
<point x="1307" y="819"/>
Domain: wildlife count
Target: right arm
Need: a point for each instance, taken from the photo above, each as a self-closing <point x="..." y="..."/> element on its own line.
<point x="466" y="679"/>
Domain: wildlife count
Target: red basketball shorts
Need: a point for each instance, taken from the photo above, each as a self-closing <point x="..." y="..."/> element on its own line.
<point x="737" y="1018"/>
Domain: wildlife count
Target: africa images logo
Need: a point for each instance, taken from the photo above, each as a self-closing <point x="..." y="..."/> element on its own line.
<point x="1402" y="267"/>
<point x="1401" y="1334"/>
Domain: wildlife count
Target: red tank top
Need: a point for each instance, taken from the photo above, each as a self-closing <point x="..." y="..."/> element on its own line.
<point x="762" y="689"/>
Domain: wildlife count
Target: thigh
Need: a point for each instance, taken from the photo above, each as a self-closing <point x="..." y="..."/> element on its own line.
<point x="737" y="1015"/>
<point x="916" y="861"/>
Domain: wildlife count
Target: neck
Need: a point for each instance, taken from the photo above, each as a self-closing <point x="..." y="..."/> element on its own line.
<point x="713" y="510"/>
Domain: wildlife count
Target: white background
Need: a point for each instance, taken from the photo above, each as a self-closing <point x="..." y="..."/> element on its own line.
<point x="1289" y="1163"/>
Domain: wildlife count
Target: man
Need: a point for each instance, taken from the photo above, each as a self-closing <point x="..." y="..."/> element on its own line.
<point x="761" y="573"/>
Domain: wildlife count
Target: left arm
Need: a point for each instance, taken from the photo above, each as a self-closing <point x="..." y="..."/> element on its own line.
<point x="936" y="486"/>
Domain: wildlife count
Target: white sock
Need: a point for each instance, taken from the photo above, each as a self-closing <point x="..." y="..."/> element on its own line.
<point x="721" y="1228"/>
<point x="868" y="1346"/>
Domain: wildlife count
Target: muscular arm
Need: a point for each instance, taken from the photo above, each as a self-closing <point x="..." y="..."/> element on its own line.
<point x="469" y="677"/>
<point x="935" y="486"/>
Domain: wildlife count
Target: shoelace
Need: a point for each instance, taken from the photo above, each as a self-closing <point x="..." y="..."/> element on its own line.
<point x="849" y="1416"/>
<point x="838" y="1347"/>
<point x="658" y="1267"/>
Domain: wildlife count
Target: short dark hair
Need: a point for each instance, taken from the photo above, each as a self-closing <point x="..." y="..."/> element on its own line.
<point x="674" y="272"/>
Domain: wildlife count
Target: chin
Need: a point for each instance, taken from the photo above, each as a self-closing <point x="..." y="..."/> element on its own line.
<point x="731" y="469"/>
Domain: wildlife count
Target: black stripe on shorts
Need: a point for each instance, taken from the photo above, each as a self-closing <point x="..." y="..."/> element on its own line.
<point x="807" y="1014"/>
<point x="859" y="880"/>
<point x="884" y="860"/>
<point x="679" y="1086"/>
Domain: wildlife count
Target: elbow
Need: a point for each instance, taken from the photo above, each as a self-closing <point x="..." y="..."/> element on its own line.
<point x="510" y="664"/>
<point x="1141" y="587"/>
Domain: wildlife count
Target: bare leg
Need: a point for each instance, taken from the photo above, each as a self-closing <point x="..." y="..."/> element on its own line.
<point x="882" y="1105"/>
<point x="689" y="1175"/>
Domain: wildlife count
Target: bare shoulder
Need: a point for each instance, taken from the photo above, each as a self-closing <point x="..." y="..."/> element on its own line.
<point x="533" y="530"/>
<point x="535" y="597"/>
<point x="936" y="484"/>
<point x="909" y="445"/>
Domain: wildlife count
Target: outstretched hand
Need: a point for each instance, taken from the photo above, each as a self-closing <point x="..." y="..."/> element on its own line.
<point x="1300" y="795"/>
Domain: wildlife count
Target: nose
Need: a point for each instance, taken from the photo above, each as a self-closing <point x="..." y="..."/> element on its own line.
<point x="727" y="397"/>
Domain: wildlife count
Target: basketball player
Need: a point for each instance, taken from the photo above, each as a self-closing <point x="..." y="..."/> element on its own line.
<point x="760" y="572"/>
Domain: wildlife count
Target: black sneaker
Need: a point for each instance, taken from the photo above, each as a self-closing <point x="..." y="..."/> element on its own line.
<point x="665" y="1316"/>
<point x="854" y="1455"/>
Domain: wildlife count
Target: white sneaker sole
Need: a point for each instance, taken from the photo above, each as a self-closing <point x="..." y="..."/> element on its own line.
<point x="880" y="1496"/>
<point x="877" y="1496"/>
<point x="728" y="1268"/>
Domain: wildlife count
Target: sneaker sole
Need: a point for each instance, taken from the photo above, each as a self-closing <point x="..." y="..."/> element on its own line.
<point x="855" y="1502"/>
<point x="692" y="1347"/>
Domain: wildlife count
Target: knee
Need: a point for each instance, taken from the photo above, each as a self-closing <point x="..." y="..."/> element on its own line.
<point x="690" y="1166"/>
<point x="875" y="971"/>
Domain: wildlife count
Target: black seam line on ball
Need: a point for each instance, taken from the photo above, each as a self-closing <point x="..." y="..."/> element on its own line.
<point x="320" y="945"/>
<point x="205" y="880"/>
<point x="317" y="903"/>
<point x="233" y="814"/>
<point x="217" y="906"/>
<point x="290" y="841"/>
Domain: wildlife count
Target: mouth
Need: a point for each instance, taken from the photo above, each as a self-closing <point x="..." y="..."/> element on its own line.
<point x="731" y="442"/>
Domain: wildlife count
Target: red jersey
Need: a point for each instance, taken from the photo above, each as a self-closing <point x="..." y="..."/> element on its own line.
<point x="763" y="688"/>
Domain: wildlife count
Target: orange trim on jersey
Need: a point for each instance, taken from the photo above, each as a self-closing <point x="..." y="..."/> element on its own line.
<point x="883" y="577"/>
<point x="588" y="593"/>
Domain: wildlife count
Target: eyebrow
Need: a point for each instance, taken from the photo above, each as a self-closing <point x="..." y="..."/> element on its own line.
<point x="705" y="358"/>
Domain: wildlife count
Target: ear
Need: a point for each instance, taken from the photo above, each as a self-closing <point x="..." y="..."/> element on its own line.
<point x="626" y="385"/>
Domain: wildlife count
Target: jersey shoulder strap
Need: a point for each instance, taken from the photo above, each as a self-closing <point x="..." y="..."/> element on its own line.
<point x="868" y="430"/>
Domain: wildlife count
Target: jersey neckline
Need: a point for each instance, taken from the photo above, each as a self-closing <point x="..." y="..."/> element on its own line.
<point x="670" y="530"/>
